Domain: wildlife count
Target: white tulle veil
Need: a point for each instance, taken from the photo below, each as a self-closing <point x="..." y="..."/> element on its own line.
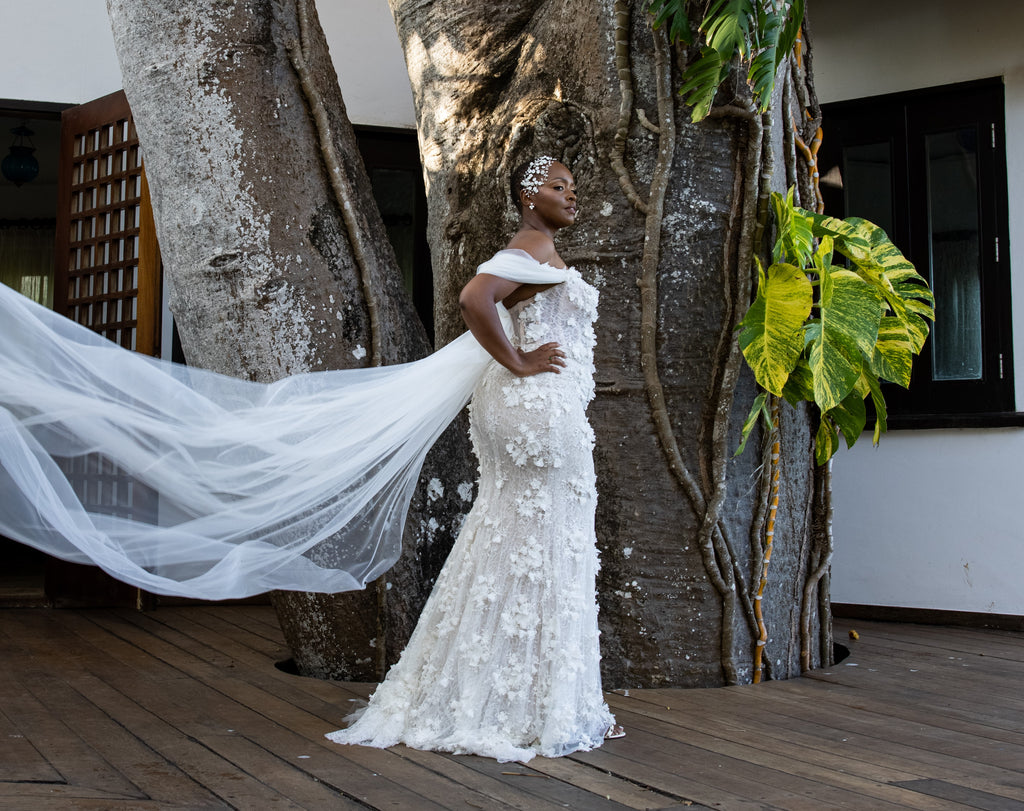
<point x="301" y="484"/>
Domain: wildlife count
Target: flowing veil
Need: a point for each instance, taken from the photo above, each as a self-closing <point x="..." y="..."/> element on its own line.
<point x="302" y="484"/>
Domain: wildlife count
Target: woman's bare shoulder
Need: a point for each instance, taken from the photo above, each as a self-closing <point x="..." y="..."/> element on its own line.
<point x="540" y="246"/>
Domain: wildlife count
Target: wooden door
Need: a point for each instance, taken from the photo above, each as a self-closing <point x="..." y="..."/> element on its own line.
<point x="107" y="277"/>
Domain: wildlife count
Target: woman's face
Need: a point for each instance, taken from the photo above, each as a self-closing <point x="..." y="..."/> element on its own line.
<point x="555" y="200"/>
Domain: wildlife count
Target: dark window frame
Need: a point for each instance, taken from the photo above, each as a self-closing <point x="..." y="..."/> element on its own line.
<point x="904" y="119"/>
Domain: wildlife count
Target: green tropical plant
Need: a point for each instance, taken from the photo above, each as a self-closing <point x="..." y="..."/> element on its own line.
<point x="828" y="334"/>
<point x="761" y="32"/>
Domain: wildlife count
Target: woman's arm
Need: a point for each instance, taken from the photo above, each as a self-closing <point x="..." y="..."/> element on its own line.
<point x="478" y="304"/>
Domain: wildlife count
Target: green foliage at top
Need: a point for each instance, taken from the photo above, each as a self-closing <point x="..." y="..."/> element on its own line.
<point x="760" y="32"/>
<point x="828" y="334"/>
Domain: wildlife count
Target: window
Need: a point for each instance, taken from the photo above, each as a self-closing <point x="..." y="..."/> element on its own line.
<point x="929" y="167"/>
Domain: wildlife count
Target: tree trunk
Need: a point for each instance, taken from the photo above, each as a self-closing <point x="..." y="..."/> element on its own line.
<point x="672" y="214"/>
<point x="276" y="258"/>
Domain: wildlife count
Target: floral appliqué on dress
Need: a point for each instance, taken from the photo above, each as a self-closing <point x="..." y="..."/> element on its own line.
<point x="505" y="660"/>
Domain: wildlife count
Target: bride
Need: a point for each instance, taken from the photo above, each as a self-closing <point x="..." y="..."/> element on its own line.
<point x="504" y="661"/>
<point x="304" y="484"/>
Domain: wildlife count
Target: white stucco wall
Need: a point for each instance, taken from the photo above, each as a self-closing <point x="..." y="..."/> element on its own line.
<point x="930" y="518"/>
<point x="62" y="51"/>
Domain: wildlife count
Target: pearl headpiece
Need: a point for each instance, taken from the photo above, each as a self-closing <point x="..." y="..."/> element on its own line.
<point x="536" y="174"/>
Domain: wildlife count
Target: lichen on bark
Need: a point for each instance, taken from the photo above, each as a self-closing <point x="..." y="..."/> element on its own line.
<point x="672" y="214"/>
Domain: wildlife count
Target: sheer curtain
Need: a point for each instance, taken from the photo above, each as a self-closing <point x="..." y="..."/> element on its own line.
<point x="26" y="258"/>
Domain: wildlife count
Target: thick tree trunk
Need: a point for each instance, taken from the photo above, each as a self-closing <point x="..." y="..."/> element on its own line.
<point x="672" y="214"/>
<point x="276" y="259"/>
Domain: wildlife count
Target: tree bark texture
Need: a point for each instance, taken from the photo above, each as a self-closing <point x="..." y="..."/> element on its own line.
<point x="672" y="214"/>
<point x="276" y="258"/>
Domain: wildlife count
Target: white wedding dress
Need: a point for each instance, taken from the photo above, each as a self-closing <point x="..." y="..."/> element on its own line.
<point x="504" y="661"/>
<point x="304" y="484"/>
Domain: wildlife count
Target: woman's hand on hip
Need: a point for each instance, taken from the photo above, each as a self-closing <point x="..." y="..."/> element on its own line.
<point x="545" y="358"/>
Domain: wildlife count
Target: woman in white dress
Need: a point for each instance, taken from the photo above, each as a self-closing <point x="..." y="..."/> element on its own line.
<point x="505" y="660"/>
<point x="277" y="486"/>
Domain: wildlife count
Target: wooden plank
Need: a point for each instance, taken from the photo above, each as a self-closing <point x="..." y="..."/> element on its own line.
<point x="990" y="698"/>
<point x="209" y="710"/>
<point x="544" y="791"/>
<point x="196" y="689"/>
<point x="837" y="789"/>
<point x="21" y="796"/>
<point x="257" y="637"/>
<point x="769" y="745"/>
<point x="821" y="729"/>
<point x="492" y="788"/>
<point x="881" y="736"/>
<point x="68" y="754"/>
<point x="171" y="766"/>
<point x="965" y="796"/>
<point x="605" y="785"/>
<point x="277" y="725"/>
<point x="980" y="717"/>
<point x="748" y="780"/>
<point x="260" y="620"/>
<point x="944" y="661"/>
<point x="679" y="781"/>
<point x="20" y="761"/>
<point x="984" y="641"/>
<point x="319" y="696"/>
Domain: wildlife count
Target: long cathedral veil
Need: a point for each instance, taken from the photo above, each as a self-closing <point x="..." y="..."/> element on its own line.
<point x="302" y="484"/>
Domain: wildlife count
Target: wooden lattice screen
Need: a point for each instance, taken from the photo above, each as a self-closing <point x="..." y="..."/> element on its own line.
<point x="107" y="277"/>
<point x="108" y="271"/>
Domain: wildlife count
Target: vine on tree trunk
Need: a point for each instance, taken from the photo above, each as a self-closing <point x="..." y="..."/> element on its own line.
<point x="753" y="177"/>
<point x="811" y="586"/>
<point x="344" y="195"/>
<point x="769" y="539"/>
<point x="625" y="105"/>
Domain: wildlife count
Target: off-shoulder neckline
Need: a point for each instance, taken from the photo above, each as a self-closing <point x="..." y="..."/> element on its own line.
<point x="530" y="256"/>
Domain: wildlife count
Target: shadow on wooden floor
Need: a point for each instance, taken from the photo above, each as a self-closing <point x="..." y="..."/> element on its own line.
<point x="184" y="707"/>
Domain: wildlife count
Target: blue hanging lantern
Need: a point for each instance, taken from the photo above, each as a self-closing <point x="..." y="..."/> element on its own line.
<point x="20" y="166"/>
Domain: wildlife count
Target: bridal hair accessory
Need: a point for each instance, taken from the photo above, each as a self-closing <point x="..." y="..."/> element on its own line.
<point x="536" y="174"/>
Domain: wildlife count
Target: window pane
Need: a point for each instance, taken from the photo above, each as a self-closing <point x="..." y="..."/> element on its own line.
<point x="868" y="183"/>
<point x="952" y="160"/>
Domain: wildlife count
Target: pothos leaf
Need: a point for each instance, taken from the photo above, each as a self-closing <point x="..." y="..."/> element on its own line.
<point x="850" y="416"/>
<point x="826" y="443"/>
<point x="771" y="336"/>
<point x="881" y="412"/>
<point x="893" y="354"/>
<point x="795" y="243"/>
<point x="800" y="385"/>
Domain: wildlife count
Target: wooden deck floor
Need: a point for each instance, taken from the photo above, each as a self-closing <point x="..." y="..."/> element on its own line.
<point x="184" y="708"/>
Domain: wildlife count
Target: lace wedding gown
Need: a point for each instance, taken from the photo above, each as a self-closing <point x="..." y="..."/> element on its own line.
<point x="504" y="661"/>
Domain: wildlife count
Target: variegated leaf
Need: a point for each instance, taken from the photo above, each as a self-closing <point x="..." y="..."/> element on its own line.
<point x="826" y="442"/>
<point x="800" y="385"/>
<point x="850" y="312"/>
<point x="771" y="334"/>
<point x="850" y="416"/>
<point x="894" y="351"/>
